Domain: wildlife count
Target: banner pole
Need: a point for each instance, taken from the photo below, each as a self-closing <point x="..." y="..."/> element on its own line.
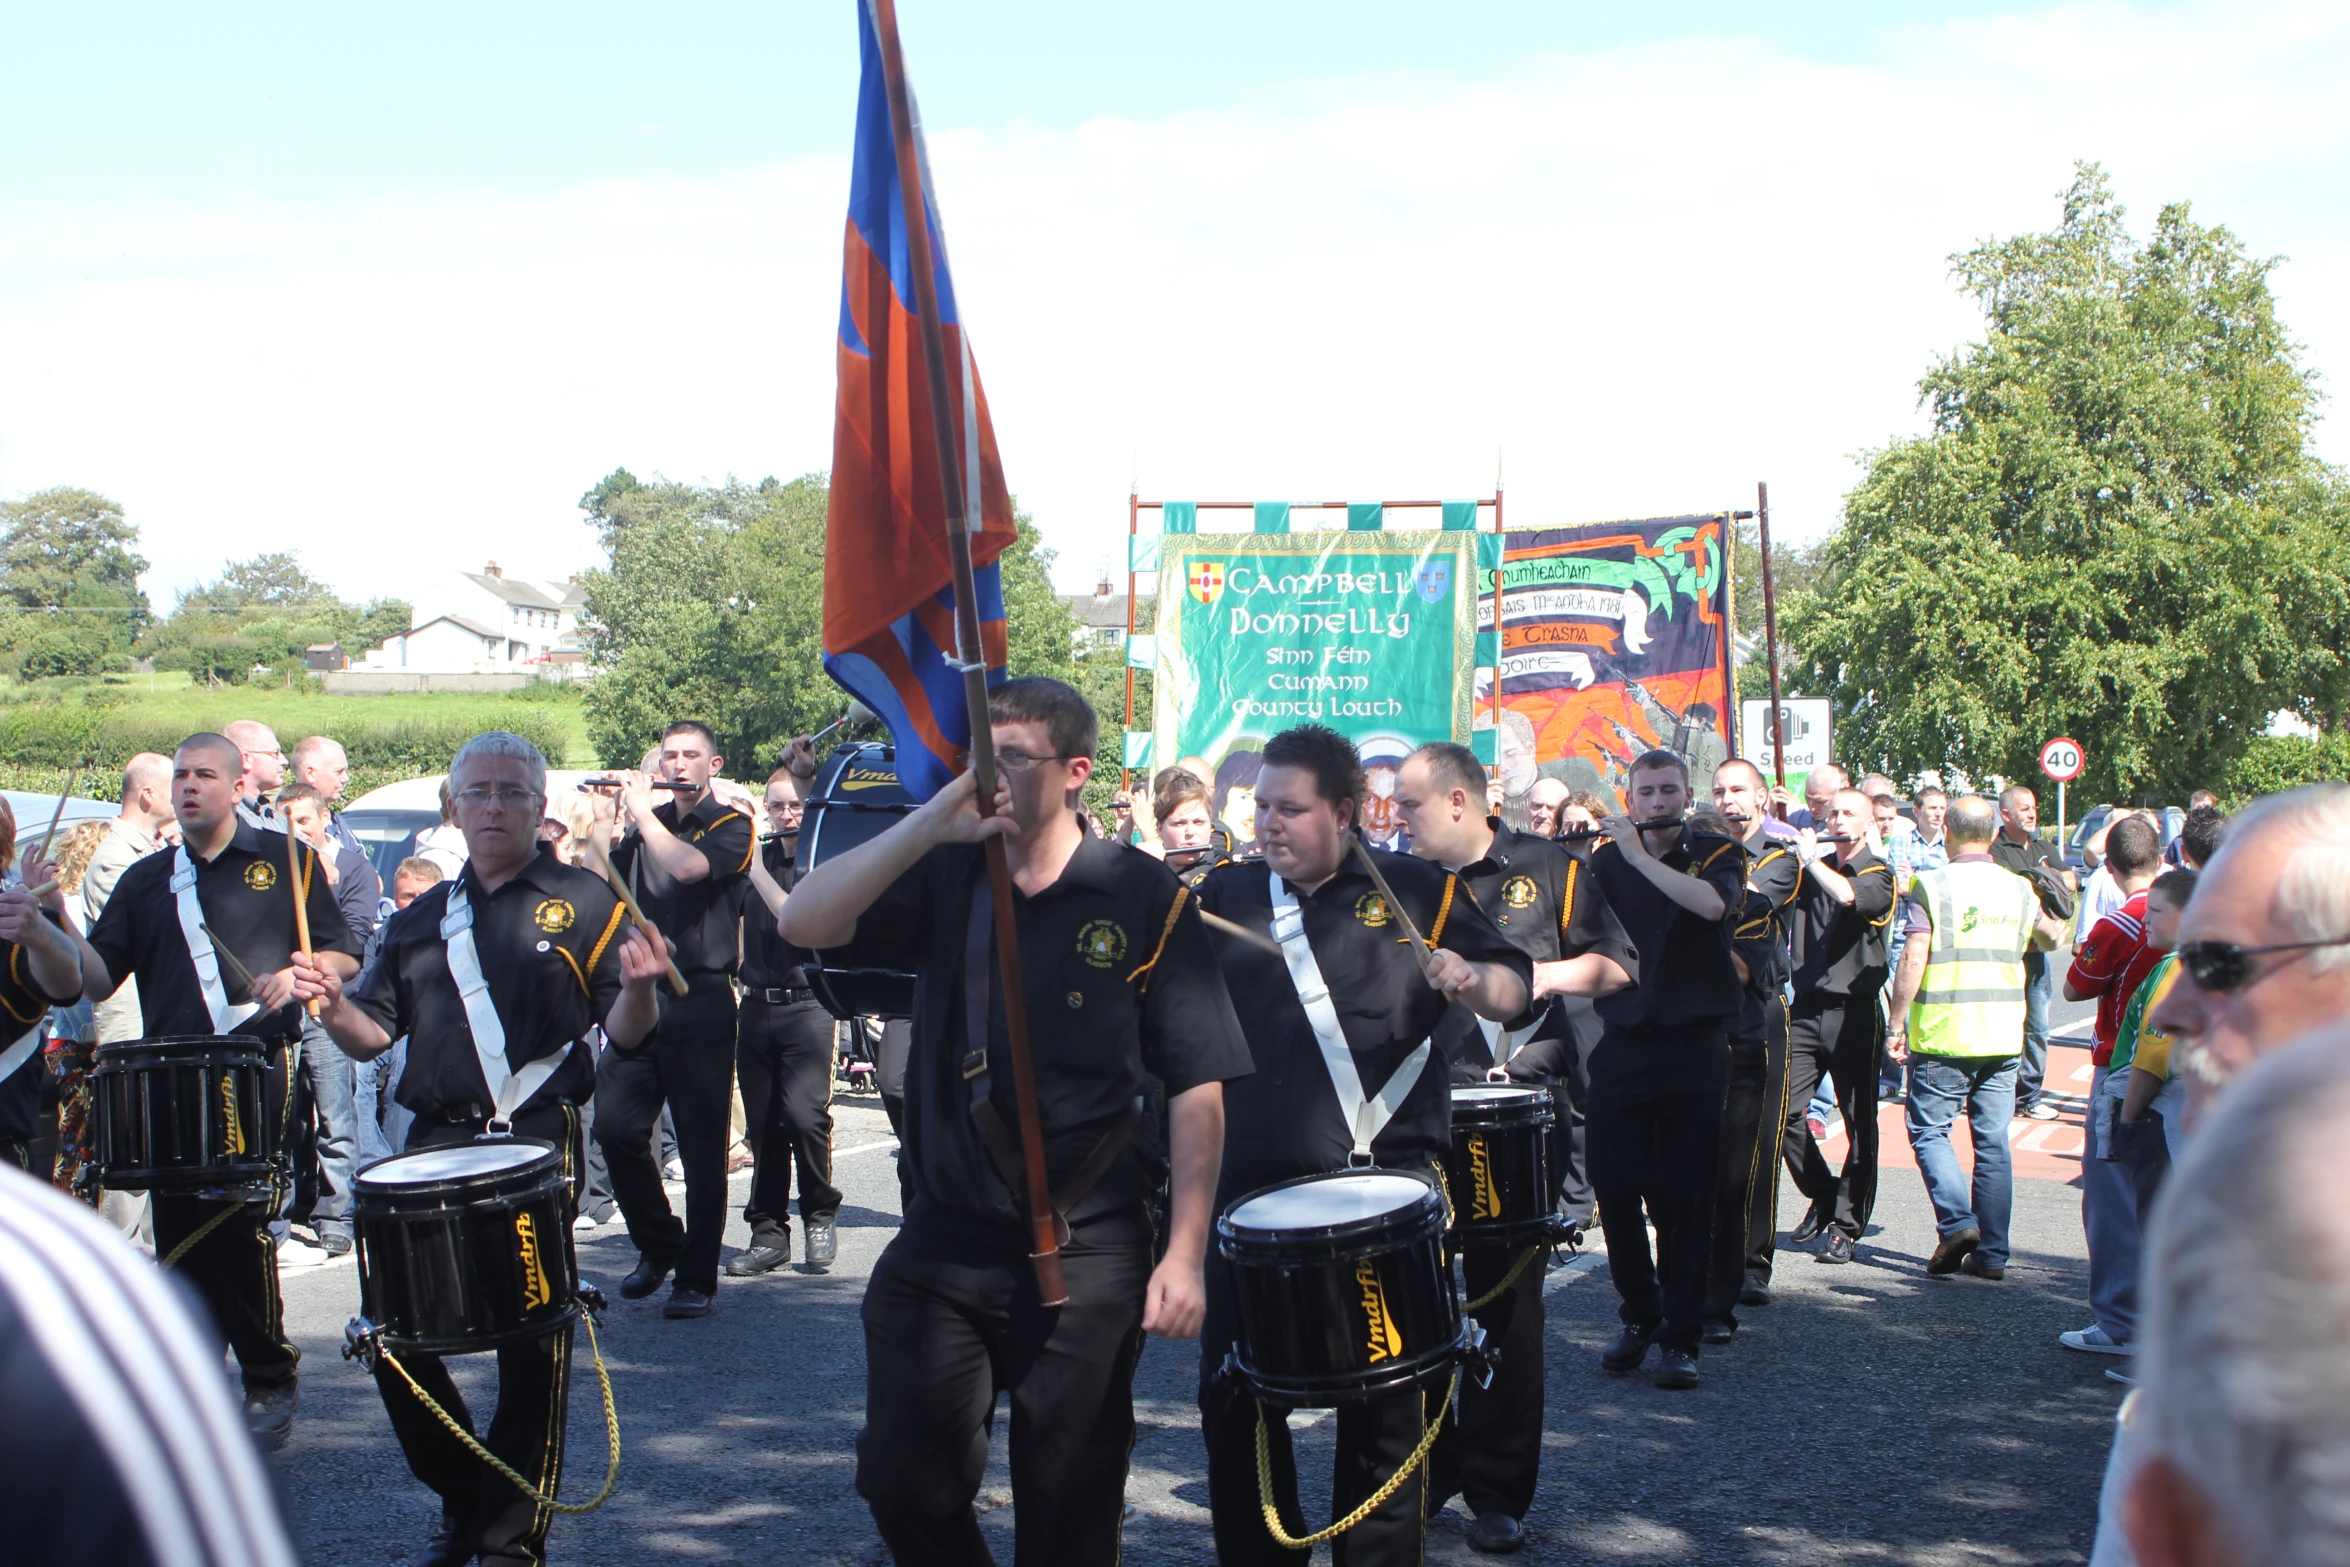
<point x="1133" y="531"/>
<point x="1762" y="532"/>
<point x="972" y="656"/>
<point x="1499" y="573"/>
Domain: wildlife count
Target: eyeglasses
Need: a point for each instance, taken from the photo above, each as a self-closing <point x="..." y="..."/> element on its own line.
<point x="2222" y="966"/>
<point x="1020" y="761"/>
<point x="509" y="797"/>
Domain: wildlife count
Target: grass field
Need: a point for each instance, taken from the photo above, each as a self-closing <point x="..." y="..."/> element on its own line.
<point x="45" y="725"/>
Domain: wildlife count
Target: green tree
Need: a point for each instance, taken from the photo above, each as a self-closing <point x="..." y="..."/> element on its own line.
<point x="274" y="580"/>
<point x="2115" y="529"/>
<point x="72" y="553"/>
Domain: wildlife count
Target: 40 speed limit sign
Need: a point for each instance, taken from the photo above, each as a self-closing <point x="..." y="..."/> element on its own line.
<point x="2061" y="759"/>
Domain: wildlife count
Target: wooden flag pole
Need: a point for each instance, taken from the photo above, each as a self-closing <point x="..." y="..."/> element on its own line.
<point x="971" y="656"/>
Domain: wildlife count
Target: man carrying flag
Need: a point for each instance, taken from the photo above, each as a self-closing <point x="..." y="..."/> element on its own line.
<point x="986" y="1288"/>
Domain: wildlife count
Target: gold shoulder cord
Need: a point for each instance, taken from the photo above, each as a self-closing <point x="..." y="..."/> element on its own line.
<point x="611" y="1431"/>
<point x="1371" y="1504"/>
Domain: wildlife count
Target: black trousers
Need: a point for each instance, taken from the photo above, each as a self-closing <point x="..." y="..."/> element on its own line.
<point x="688" y="1063"/>
<point x="1656" y="1148"/>
<point x="783" y="1060"/>
<point x="952" y="1319"/>
<point x="1839" y="1035"/>
<point x="1490" y="1454"/>
<point x="1574" y="1109"/>
<point x="234" y="1269"/>
<point x="1747" y="1182"/>
<point x="534" y="1392"/>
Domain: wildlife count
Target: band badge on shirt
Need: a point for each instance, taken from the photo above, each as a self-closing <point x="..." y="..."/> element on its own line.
<point x="1519" y="892"/>
<point x="1372" y="910"/>
<point x="260" y="875"/>
<point x="1101" y="943"/>
<point x="554" y="916"/>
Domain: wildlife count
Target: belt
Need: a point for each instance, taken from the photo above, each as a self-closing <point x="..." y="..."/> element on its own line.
<point x="777" y="995"/>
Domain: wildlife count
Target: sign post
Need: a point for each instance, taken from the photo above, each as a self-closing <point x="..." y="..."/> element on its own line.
<point x="2062" y="759"/>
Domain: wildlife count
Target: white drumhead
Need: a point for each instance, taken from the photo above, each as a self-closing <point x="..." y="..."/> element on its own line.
<point x="454" y="1163"/>
<point x="1334" y="1199"/>
<point x="1496" y="1093"/>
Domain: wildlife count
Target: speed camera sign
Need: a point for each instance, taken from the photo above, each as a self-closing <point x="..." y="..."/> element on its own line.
<point x="2061" y="759"/>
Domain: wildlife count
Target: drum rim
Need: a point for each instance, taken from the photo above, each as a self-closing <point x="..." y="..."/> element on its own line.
<point x="1500" y="1093"/>
<point x="1329" y="1392"/>
<point x="504" y="1338"/>
<point x="193" y="1047"/>
<point x="532" y="1165"/>
<point x="1344" y="1230"/>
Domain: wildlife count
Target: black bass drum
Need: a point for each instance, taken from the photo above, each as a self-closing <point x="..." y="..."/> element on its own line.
<point x="465" y="1247"/>
<point x="854" y="799"/>
<point x="1340" y="1288"/>
<point x="1499" y="1168"/>
<point x="182" y="1113"/>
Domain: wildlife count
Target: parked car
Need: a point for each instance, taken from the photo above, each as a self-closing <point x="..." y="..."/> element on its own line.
<point x="2092" y="822"/>
<point x="33" y="813"/>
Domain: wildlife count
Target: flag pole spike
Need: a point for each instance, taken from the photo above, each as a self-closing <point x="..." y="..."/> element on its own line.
<point x="972" y="657"/>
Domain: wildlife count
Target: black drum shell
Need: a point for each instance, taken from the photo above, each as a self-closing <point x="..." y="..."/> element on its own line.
<point x="854" y="798"/>
<point x="1303" y="1303"/>
<point x="445" y="1267"/>
<point x="1497" y="1171"/>
<point x="182" y="1113"/>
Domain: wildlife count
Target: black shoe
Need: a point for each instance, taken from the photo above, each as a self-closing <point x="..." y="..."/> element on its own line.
<point x="1496" y="1534"/>
<point x="1813" y="1223"/>
<point x="1718" y="1332"/>
<point x="1952" y="1252"/>
<point x="686" y="1301"/>
<point x="1623" y="1357"/>
<point x="823" y="1245"/>
<point x="1754" y="1294"/>
<point x="1837" y="1248"/>
<point x="269" y="1413"/>
<point x="1974" y="1266"/>
<point x="452" y="1544"/>
<point x="1676" y="1368"/>
<point x="646" y="1279"/>
<point x="763" y="1257"/>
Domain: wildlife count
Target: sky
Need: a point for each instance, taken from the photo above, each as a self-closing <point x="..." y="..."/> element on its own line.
<point x="392" y="288"/>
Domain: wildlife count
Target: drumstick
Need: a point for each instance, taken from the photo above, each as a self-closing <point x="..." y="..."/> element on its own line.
<point x="43" y="890"/>
<point x="49" y="838"/>
<point x="220" y="950"/>
<point x="676" y="979"/>
<point x="1363" y="853"/>
<point x="1238" y="932"/>
<point x="301" y="910"/>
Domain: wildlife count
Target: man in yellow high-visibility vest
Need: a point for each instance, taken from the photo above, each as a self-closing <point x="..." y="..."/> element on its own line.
<point x="1957" y="1010"/>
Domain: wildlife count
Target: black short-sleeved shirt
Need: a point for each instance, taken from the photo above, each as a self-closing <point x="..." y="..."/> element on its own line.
<point x="250" y="910"/>
<point x="1286" y="1120"/>
<point x="359" y="891"/>
<point x="549" y="945"/>
<point x="1680" y="964"/>
<point x="769" y="961"/>
<point x="698" y="917"/>
<point x="1122" y="987"/>
<point x="1839" y="948"/>
<point x="1527" y="884"/>
<point x="23" y="1003"/>
<point x="1774" y="878"/>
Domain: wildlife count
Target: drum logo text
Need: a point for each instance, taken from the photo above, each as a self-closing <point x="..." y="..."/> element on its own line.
<point x="1518" y="892"/>
<point x="867" y="778"/>
<point x="554" y="916"/>
<point x="536" y="1291"/>
<point x="232" y="1126"/>
<point x="1371" y="909"/>
<point x="260" y="875"/>
<point x="1101" y="943"/>
<point x="1380" y="1336"/>
<point x="1484" y="1201"/>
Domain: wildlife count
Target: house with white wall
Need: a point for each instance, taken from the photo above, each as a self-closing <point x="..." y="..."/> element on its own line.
<point x="486" y="622"/>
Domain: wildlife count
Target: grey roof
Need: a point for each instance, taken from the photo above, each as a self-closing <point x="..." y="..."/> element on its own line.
<point x="514" y="590"/>
<point x="1096" y="612"/>
<point x="459" y="620"/>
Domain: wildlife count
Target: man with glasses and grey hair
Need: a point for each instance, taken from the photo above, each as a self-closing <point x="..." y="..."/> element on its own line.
<point x="545" y="946"/>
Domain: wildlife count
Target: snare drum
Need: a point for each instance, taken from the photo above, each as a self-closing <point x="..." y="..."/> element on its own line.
<point x="1498" y="1171"/>
<point x="1340" y="1287"/>
<point x="183" y="1113"/>
<point x="854" y="799"/>
<point x="465" y="1247"/>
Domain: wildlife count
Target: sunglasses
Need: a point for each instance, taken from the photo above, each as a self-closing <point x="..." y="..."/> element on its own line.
<point x="2221" y="966"/>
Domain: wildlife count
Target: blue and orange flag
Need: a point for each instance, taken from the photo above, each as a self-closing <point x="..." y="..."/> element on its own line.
<point x="889" y="618"/>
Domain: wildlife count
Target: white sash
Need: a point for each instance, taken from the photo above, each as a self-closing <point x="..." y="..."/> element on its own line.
<point x="1502" y="1043"/>
<point x="1365" y="1117"/>
<point x="509" y="1091"/>
<point x="18" y="1054"/>
<point x="225" y="1018"/>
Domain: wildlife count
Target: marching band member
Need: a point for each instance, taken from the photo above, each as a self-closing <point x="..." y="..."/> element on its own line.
<point x="1347" y="1071"/>
<point x="1493" y="1455"/>
<point x="1121" y="987"/>
<point x="227" y="884"/>
<point x="1662" y="1067"/>
<point x="498" y="980"/>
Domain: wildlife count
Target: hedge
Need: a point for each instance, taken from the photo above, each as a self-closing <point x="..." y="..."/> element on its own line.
<point x="2275" y="762"/>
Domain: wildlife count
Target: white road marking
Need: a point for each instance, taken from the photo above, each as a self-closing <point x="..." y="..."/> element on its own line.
<point x="843" y="1153"/>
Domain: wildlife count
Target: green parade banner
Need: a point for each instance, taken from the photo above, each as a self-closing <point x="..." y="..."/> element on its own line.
<point x="1373" y="634"/>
